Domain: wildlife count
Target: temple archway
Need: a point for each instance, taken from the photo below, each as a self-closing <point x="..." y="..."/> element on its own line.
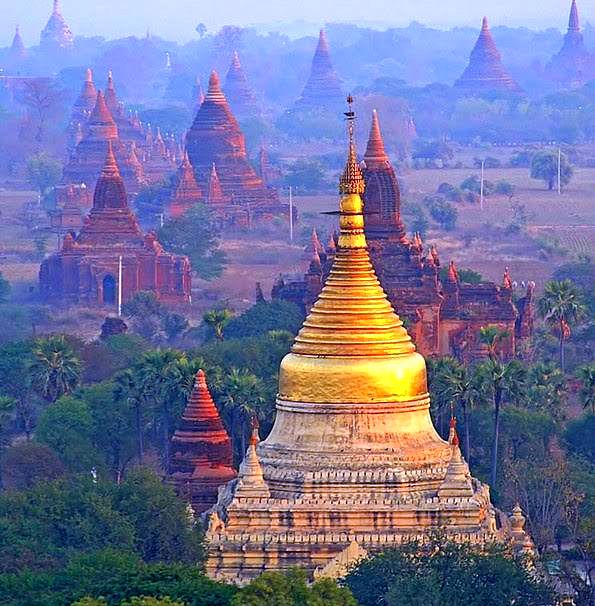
<point x="109" y="290"/>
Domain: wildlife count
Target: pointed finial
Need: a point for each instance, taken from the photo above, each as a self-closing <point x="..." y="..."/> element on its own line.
<point x="506" y="280"/>
<point x="110" y="166"/>
<point x="56" y="6"/>
<point x="254" y="437"/>
<point x="484" y="24"/>
<point x="110" y="79"/>
<point x="453" y="274"/>
<point x="352" y="181"/>
<point x="573" y="21"/>
<point x="89" y="75"/>
<point x="214" y="92"/>
<point x="375" y="152"/>
<point x="201" y="379"/>
<point x="235" y="60"/>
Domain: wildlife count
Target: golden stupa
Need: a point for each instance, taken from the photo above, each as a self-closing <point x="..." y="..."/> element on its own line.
<point x="353" y="463"/>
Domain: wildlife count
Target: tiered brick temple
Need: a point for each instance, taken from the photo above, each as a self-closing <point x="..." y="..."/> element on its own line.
<point x="573" y="65"/>
<point x="186" y="192"/>
<point x="323" y="88"/>
<point x="238" y="93"/>
<point x="215" y="139"/>
<point x="353" y="464"/>
<point x="81" y="111"/>
<point x="201" y="451"/>
<point x="485" y="70"/>
<point x="445" y="318"/>
<point x="87" y="159"/>
<point x="56" y="35"/>
<point x="86" y="270"/>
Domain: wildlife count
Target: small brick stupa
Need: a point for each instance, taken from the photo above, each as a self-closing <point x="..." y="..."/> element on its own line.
<point x="56" y="35"/>
<point x="323" y="88"/>
<point x="240" y="96"/>
<point x="201" y="450"/>
<point x="216" y="138"/>
<point x="573" y="65"/>
<point x="86" y="269"/>
<point x="88" y="157"/>
<point x="18" y="51"/>
<point x="485" y="70"/>
<point x="186" y="192"/>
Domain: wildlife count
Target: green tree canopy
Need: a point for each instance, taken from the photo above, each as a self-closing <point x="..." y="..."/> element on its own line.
<point x="544" y="166"/>
<point x="442" y="573"/>
<point x="291" y="589"/>
<point x="4" y="289"/>
<point x="43" y="172"/>
<point x="194" y="234"/>
<point x="265" y="316"/>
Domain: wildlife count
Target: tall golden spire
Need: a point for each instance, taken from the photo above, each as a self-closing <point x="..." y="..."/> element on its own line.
<point x="352" y="322"/>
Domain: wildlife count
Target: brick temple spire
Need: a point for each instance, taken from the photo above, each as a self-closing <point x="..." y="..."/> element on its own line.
<point x="111" y="98"/>
<point x="238" y="91"/>
<point x="216" y="137"/>
<point x="187" y="192"/>
<point x="382" y="196"/>
<point x="214" y="191"/>
<point x="101" y="123"/>
<point x="201" y="459"/>
<point x="485" y="70"/>
<point x="56" y="35"/>
<point x="573" y="65"/>
<point x="110" y="191"/>
<point x="17" y="48"/>
<point x="323" y="88"/>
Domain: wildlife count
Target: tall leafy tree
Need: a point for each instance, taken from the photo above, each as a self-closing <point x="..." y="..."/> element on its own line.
<point x="217" y="320"/>
<point x="492" y="337"/>
<point x="544" y="166"/>
<point x="56" y="369"/>
<point x="501" y="382"/>
<point x="561" y="306"/>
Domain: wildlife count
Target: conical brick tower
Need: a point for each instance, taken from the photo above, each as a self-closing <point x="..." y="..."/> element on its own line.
<point x="238" y="93"/>
<point x="485" y="70"/>
<point x="323" y="88"/>
<point x="86" y="100"/>
<point x="56" y="35"/>
<point x="573" y="65"/>
<point x="353" y="462"/>
<point x="87" y="160"/>
<point x="186" y="191"/>
<point x="18" y="51"/>
<point x="215" y="138"/>
<point x="201" y="452"/>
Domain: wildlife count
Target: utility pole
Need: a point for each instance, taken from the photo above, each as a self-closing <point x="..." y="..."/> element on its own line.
<point x="481" y="186"/>
<point x="291" y="214"/>
<point x="120" y="286"/>
<point x="559" y="171"/>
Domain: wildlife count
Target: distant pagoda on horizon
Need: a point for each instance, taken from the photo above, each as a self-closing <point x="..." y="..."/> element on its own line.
<point x="323" y="88"/>
<point x="56" y="35"/>
<point x="238" y="92"/>
<point x="18" y="50"/>
<point x="573" y="65"/>
<point x="485" y="70"/>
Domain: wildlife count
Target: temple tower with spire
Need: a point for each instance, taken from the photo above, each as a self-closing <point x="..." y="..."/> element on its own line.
<point x="323" y="88"/>
<point x="353" y="463"/>
<point x="215" y="138"/>
<point x="186" y="192"/>
<point x="85" y="270"/>
<point x="56" y="35"/>
<point x="201" y="451"/>
<point x="18" y="51"/>
<point x="238" y="92"/>
<point x="485" y="70"/>
<point x="573" y="65"/>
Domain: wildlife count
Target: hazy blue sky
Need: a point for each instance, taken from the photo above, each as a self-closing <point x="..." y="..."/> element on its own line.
<point x="176" y="19"/>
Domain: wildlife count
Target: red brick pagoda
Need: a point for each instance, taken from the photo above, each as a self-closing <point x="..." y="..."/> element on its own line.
<point x="215" y="138"/>
<point x="86" y="269"/>
<point x="201" y="450"/>
<point x="485" y="70"/>
<point x="323" y="88"/>
<point x="445" y="318"/>
<point x="87" y="158"/>
<point x="56" y="35"/>
<point x="238" y="93"/>
<point x="573" y="65"/>
<point x="186" y="192"/>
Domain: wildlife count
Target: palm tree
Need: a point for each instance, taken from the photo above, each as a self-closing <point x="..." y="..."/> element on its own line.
<point x="218" y="319"/>
<point x="56" y="369"/>
<point x="7" y="408"/>
<point x="459" y="387"/>
<point x="127" y="388"/>
<point x="561" y="306"/>
<point x="586" y="375"/>
<point x="242" y="399"/>
<point x="504" y="381"/>
<point x="491" y="337"/>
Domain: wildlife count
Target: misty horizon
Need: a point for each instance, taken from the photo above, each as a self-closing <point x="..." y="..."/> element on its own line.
<point x="178" y="19"/>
